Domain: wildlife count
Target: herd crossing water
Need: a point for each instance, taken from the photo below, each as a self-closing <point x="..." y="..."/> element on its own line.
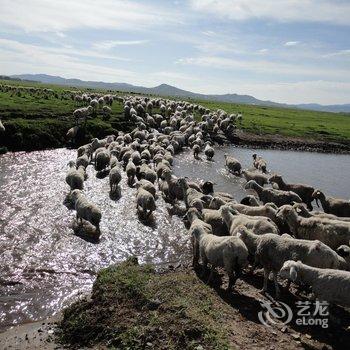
<point x="43" y="265"/>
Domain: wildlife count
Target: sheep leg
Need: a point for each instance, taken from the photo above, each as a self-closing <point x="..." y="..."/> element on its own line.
<point x="210" y="278"/>
<point x="266" y="278"/>
<point x="277" y="289"/>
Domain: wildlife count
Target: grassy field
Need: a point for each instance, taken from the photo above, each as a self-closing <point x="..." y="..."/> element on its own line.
<point x="132" y="307"/>
<point x="37" y="122"/>
<point x="289" y="122"/>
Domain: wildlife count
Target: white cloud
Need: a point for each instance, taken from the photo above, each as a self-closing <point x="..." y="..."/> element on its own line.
<point x="16" y="58"/>
<point x="263" y="51"/>
<point x="109" y="44"/>
<point x="330" y="11"/>
<point x="264" y="66"/>
<point x="317" y="91"/>
<point x="65" y="50"/>
<point x="291" y="43"/>
<point x="338" y="53"/>
<point x="63" y="15"/>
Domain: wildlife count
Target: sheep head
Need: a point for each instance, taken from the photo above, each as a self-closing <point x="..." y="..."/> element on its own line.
<point x="318" y="195"/>
<point x="290" y="269"/>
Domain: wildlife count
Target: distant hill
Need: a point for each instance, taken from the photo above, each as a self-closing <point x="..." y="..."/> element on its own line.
<point x="168" y="90"/>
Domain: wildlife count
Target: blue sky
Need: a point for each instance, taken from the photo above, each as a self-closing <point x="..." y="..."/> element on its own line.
<point x="293" y="51"/>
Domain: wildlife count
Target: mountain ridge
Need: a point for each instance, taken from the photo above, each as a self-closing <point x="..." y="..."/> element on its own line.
<point x="169" y="90"/>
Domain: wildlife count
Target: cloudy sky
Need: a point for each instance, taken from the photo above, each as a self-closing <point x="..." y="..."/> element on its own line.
<point x="292" y="51"/>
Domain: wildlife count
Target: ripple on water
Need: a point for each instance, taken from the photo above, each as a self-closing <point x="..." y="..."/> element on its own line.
<point x="42" y="263"/>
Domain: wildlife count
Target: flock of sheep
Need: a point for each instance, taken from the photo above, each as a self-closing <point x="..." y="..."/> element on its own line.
<point x="282" y="235"/>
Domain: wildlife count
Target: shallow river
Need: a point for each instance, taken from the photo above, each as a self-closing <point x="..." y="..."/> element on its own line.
<point x="43" y="265"/>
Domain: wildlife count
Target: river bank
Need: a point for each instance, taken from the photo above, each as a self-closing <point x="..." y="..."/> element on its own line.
<point x="135" y="306"/>
<point x="281" y="142"/>
<point x="42" y="134"/>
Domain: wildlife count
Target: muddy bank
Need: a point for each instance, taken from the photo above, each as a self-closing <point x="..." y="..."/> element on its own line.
<point x="281" y="142"/>
<point x="31" y="336"/>
<point x="133" y="306"/>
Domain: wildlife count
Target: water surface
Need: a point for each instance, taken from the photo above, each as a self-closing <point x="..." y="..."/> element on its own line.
<point x="43" y="265"/>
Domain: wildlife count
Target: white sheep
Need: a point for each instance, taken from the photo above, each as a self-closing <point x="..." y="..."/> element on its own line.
<point x="72" y="132"/>
<point x="331" y="232"/>
<point x="145" y="203"/>
<point x="330" y="285"/>
<point x="2" y="128"/>
<point x="86" y="210"/>
<point x="209" y="151"/>
<point x="278" y="197"/>
<point x="227" y="252"/>
<point x="130" y="172"/>
<point x="259" y="178"/>
<point x="102" y="159"/>
<point x="336" y="206"/>
<point x="82" y="161"/>
<point x="75" y="177"/>
<point x="115" y="177"/>
<point x="147" y="185"/>
<point x="258" y="224"/>
<point x="233" y="165"/>
<point x="271" y="251"/>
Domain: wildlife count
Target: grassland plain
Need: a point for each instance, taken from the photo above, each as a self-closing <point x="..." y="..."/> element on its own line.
<point x="38" y="122"/>
<point x="35" y="122"/>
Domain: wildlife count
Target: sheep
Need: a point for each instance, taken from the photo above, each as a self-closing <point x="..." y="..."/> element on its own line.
<point x="145" y="203"/>
<point x="227" y="252"/>
<point x="250" y="200"/>
<point x="209" y="151"/>
<point x="215" y="220"/>
<point x="102" y="160"/>
<point x="304" y="191"/>
<point x="330" y="205"/>
<point x="75" y="177"/>
<point x="259" y="163"/>
<point x="258" y="224"/>
<point x="2" y="128"/>
<point x="172" y="191"/>
<point x="72" y="132"/>
<point x="130" y="172"/>
<point x="115" y="177"/>
<point x="331" y="232"/>
<point x="192" y="197"/>
<point x="196" y="150"/>
<point x="85" y="149"/>
<point x="82" y="161"/>
<point x="271" y="251"/>
<point x="207" y="187"/>
<point x="260" y="179"/>
<point x="271" y="195"/>
<point x="86" y="210"/>
<point x="147" y="185"/>
<point x="268" y="210"/>
<point x="145" y="172"/>
<point x="233" y="165"/>
<point x="330" y="285"/>
<point x="302" y="211"/>
<point x="96" y="143"/>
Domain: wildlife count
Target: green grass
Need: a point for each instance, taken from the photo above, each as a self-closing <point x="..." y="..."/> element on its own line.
<point x="35" y="122"/>
<point x="289" y="122"/>
<point x="132" y="307"/>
